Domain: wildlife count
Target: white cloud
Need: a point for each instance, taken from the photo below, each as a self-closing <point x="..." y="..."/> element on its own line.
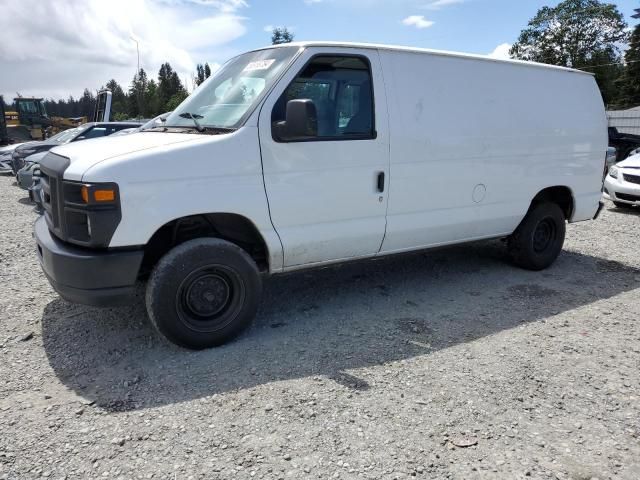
<point x="86" y="43"/>
<point x="438" y="4"/>
<point x="312" y="2"/>
<point x="501" y="52"/>
<point x="226" y="6"/>
<point x="417" y="21"/>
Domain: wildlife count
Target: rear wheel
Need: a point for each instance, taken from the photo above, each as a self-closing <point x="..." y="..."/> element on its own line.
<point x="622" y="205"/>
<point x="538" y="240"/>
<point x="203" y="293"/>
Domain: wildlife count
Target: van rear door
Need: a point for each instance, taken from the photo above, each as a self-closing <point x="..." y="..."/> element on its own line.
<point x="327" y="181"/>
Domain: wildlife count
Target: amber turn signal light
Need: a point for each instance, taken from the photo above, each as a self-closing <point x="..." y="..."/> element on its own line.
<point x="84" y="191"/>
<point x="99" y="195"/>
<point x="104" y="195"/>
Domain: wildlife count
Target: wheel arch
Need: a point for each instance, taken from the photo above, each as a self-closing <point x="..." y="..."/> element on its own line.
<point x="561" y="195"/>
<point x="232" y="227"/>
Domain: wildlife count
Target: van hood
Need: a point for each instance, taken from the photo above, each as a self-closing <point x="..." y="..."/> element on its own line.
<point x="631" y="162"/>
<point x="87" y="153"/>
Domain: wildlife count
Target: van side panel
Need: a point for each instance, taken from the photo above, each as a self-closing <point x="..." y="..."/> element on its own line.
<point x="473" y="141"/>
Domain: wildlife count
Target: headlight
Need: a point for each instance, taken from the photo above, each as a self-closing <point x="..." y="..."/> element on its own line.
<point x="91" y="213"/>
<point x="613" y="172"/>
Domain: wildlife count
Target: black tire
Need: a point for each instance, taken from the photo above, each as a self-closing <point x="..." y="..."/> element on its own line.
<point x="622" y="205"/>
<point x="538" y="240"/>
<point x="203" y="293"/>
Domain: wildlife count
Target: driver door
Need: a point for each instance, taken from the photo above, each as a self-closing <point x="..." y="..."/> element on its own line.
<point x="327" y="191"/>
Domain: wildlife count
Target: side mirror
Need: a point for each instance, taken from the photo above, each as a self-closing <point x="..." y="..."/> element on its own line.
<point x="301" y="120"/>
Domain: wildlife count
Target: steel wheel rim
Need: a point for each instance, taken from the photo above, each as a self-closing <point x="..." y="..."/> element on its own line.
<point x="209" y="298"/>
<point x="544" y="235"/>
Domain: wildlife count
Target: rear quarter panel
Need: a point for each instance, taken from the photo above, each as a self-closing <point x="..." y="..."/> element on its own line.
<point x="460" y="122"/>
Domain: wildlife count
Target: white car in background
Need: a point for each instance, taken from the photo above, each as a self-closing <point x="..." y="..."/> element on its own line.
<point x="622" y="184"/>
<point x="154" y="122"/>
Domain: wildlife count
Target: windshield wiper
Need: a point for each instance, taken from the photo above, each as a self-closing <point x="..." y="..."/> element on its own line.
<point x="194" y="118"/>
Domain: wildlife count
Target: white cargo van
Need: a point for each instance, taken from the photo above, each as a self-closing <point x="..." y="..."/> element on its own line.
<point x="308" y="154"/>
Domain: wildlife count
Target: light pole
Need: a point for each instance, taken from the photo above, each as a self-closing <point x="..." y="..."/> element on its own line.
<point x="137" y="51"/>
<point x="135" y="39"/>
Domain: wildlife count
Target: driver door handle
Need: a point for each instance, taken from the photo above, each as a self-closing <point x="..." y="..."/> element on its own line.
<point x="380" y="184"/>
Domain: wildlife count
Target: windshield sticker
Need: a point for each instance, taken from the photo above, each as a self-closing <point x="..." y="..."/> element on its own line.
<point x="259" y="65"/>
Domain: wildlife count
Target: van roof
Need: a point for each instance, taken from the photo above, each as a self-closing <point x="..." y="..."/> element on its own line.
<point x="444" y="53"/>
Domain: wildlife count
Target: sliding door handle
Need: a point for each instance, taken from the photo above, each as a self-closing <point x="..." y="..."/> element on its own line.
<point x="380" y="184"/>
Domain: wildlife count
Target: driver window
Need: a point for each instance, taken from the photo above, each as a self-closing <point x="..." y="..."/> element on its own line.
<point x="340" y="88"/>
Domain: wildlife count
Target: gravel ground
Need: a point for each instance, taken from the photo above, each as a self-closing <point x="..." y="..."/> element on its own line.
<point x="448" y="364"/>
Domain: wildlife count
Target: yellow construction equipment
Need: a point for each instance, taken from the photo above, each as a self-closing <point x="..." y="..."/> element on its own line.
<point x="29" y="121"/>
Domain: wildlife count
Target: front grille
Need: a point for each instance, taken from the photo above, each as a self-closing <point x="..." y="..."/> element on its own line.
<point x="627" y="197"/>
<point x="631" y="178"/>
<point x="51" y="199"/>
<point x="52" y="168"/>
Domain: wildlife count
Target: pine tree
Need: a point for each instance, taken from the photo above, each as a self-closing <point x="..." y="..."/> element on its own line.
<point x="137" y="94"/>
<point x="118" y="98"/>
<point x="629" y="83"/>
<point x="152" y="107"/>
<point x="199" y="75"/>
<point x="86" y="104"/>
<point x="169" y="85"/>
<point x="281" y="35"/>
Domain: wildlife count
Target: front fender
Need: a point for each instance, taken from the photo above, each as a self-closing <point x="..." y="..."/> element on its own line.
<point x="221" y="174"/>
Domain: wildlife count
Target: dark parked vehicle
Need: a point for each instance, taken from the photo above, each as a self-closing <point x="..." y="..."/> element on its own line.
<point x="83" y="132"/>
<point x="624" y="143"/>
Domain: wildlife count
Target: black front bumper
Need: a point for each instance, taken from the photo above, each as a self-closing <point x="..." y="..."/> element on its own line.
<point x="100" y="278"/>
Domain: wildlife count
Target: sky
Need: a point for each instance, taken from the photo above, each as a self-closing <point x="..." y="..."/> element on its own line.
<point x="54" y="49"/>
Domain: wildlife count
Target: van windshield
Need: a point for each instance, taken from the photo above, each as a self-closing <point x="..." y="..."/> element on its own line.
<point x="231" y="92"/>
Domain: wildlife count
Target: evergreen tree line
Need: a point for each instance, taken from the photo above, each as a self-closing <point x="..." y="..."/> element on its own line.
<point x="145" y="98"/>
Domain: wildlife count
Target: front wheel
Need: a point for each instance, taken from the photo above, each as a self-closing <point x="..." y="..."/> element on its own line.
<point x="538" y="240"/>
<point x="203" y="293"/>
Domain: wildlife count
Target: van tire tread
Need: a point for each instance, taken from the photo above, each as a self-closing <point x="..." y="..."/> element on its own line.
<point x="520" y="243"/>
<point x="176" y="265"/>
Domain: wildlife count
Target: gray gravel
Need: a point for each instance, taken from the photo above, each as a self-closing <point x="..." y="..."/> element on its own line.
<point x="449" y="364"/>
